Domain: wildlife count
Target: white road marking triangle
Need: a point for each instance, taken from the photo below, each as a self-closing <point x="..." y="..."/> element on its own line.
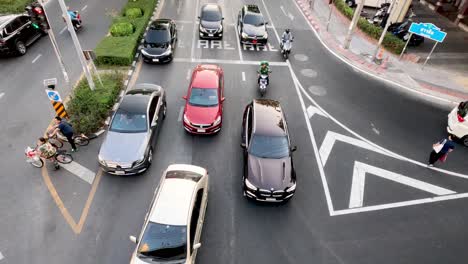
<point x="311" y="111"/>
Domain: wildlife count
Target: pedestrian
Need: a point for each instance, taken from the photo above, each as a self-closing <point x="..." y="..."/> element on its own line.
<point x="440" y="149"/>
<point x="66" y="129"/>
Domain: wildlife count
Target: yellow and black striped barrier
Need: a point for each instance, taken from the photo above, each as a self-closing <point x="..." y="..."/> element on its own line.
<point x="60" y="109"/>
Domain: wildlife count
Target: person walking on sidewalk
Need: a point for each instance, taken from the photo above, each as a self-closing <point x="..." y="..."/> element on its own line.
<point x="440" y="149"/>
<point x="66" y="129"/>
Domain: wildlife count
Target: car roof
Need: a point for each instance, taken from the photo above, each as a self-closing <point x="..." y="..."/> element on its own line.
<point x="268" y="119"/>
<point x="206" y="76"/>
<point x="252" y="9"/>
<point x="172" y="206"/>
<point x="135" y="102"/>
<point x="211" y="7"/>
<point x="4" y="20"/>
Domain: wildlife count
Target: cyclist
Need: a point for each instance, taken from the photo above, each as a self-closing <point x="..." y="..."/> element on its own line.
<point x="264" y="70"/>
<point x="66" y="129"/>
<point x="47" y="151"/>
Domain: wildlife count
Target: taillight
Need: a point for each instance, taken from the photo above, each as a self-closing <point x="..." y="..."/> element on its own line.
<point x="78" y="17"/>
<point x="2" y="42"/>
<point x="460" y="118"/>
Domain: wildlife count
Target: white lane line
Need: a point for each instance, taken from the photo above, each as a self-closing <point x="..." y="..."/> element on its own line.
<point x="1" y="95"/>
<point x="181" y="111"/>
<point x="37" y="57"/>
<point x="192" y="52"/>
<point x="84" y="8"/>
<point x="272" y="63"/>
<point x="243" y="76"/>
<point x="359" y="177"/>
<point x="284" y="11"/>
<point x="80" y="171"/>
<point x="239" y="44"/>
<point x="63" y="30"/>
<point x="183" y="21"/>
<point x="1" y="256"/>
<point x="271" y="22"/>
<point x="188" y="74"/>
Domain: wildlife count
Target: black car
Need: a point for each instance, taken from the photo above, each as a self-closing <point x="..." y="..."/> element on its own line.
<point x="251" y="25"/>
<point x="268" y="165"/>
<point x="211" y="22"/>
<point x="128" y="146"/>
<point x="160" y="41"/>
<point x="17" y="33"/>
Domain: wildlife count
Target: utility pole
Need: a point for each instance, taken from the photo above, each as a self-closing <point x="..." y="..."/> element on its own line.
<point x="384" y="32"/>
<point x="354" y="21"/>
<point x="77" y="45"/>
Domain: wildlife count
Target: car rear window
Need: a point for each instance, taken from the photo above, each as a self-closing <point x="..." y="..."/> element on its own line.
<point x="256" y="20"/>
<point x="126" y="122"/>
<point x="211" y="15"/>
<point x="164" y="242"/>
<point x="158" y="36"/>
<point x="204" y="97"/>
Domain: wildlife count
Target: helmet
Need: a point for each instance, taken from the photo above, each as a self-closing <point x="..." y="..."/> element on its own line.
<point x="264" y="63"/>
<point x="286" y="30"/>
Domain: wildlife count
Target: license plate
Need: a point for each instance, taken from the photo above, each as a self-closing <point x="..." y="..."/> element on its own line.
<point x="254" y="41"/>
<point x="210" y="35"/>
<point x="155" y="60"/>
<point x="201" y="130"/>
<point x="120" y="172"/>
<point x="270" y="199"/>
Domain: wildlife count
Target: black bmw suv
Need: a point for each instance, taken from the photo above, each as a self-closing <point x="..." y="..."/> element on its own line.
<point x="17" y="33"/>
<point x="251" y="25"/>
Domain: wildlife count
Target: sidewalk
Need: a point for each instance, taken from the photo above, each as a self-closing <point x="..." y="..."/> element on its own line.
<point x="449" y="85"/>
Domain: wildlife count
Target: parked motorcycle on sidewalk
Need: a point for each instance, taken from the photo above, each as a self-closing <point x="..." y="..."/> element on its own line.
<point x="401" y="30"/>
<point x="286" y="48"/>
<point x="379" y="16"/>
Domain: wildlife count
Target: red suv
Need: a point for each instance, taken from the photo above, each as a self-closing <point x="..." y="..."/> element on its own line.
<point x="203" y="111"/>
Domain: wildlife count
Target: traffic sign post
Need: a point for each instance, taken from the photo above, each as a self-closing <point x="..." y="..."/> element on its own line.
<point x="55" y="98"/>
<point x="426" y="30"/>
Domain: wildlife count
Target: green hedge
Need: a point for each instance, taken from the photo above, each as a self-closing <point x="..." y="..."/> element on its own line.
<point x="390" y="42"/>
<point x="121" y="29"/>
<point x="133" y="12"/>
<point x="13" y="6"/>
<point x="89" y="109"/>
<point x="120" y="50"/>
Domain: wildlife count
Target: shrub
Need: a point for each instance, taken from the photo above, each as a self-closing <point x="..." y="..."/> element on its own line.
<point x="13" y="6"/>
<point x="121" y="29"/>
<point x="89" y="109"/>
<point x="390" y="42"/>
<point x="133" y="12"/>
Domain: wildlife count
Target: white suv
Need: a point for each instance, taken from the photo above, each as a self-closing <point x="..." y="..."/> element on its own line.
<point x="173" y="225"/>
<point x="457" y="124"/>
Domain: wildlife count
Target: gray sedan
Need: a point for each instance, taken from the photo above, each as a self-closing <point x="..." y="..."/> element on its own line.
<point x="128" y="146"/>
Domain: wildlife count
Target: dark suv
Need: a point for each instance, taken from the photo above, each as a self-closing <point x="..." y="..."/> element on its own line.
<point x="251" y="25"/>
<point x="17" y="33"/>
<point x="268" y="165"/>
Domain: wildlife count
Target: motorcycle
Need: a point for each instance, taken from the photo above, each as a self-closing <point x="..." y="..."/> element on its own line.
<point x="379" y="15"/>
<point x="76" y="20"/>
<point x="263" y="83"/>
<point x="401" y="31"/>
<point x="286" y="48"/>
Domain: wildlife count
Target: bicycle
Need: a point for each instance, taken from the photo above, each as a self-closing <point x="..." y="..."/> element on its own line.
<point x="58" y="139"/>
<point x="61" y="156"/>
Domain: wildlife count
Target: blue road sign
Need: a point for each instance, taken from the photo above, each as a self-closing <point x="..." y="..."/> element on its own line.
<point x="428" y="30"/>
<point x="53" y="95"/>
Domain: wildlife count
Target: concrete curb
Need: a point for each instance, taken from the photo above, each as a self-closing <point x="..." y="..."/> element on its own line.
<point x="370" y="68"/>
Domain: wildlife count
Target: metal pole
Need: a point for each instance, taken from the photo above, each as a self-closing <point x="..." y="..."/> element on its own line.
<point x="330" y="14"/>
<point x="406" y="45"/>
<point x="51" y="34"/>
<point x="77" y="45"/>
<point x="429" y="56"/>
<point x="311" y="4"/>
<point x="357" y="15"/>
<point x="384" y="32"/>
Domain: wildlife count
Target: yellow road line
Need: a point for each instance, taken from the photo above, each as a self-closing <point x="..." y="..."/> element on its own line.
<point x="89" y="201"/>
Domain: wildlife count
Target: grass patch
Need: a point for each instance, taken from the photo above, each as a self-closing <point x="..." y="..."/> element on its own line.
<point x="89" y="109"/>
<point x="13" y="6"/>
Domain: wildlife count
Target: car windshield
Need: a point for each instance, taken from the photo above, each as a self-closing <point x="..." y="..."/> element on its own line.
<point x="211" y="15"/>
<point x="164" y="242"/>
<point x="255" y="20"/>
<point x="204" y="97"/>
<point x="271" y="147"/>
<point x="126" y="122"/>
<point x="158" y="36"/>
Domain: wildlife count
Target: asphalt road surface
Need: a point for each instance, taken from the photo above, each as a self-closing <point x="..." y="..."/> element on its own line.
<point x="363" y="194"/>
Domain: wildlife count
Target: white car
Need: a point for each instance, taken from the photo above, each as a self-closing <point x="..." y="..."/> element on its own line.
<point x="173" y="225"/>
<point x="457" y="124"/>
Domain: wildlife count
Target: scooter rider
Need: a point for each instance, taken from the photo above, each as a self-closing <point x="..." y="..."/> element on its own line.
<point x="264" y="70"/>
<point x="287" y="35"/>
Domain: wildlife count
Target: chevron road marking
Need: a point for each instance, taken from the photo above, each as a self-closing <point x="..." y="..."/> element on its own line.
<point x="311" y="111"/>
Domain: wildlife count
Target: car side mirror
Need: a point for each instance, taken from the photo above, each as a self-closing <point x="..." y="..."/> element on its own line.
<point x="243" y="145"/>
<point x="196" y="246"/>
<point x="293" y="148"/>
<point x="266" y="23"/>
<point x="222" y="18"/>
<point x="133" y="239"/>
<point x="223" y="99"/>
<point x="184" y="97"/>
<point x="154" y="124"/>
<point x="198" y="17"/>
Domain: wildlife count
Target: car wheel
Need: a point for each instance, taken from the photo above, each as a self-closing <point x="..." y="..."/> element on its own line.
<point x="164" y="111"/>
<point x="20" y="48"/>
<point x="350" y="3"/>
<point x="150" y="156"/>
<point x="465" y="141"/>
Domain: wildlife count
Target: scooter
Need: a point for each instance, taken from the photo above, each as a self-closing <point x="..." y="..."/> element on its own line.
<point x="286" y="48"/>
<point x="76" y="21"/>
<point x="379" y="15"/>
<point x="263" y="83"/>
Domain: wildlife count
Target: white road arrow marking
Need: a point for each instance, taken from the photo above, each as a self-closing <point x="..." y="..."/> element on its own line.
<point x="1" y="256"/>
<point x="80" y="171"/>
<point x="356" y="198"/>
<point x="332" y="137"/>
<point x="311" y="111"/>
<point x="287" y="13"/>
<point x="1" y="95"/>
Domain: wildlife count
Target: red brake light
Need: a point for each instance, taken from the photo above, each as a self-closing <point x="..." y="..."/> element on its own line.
<point x="38" y="10"/>
<point x="460" y="118"/>
<point x="78" y="16"/>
